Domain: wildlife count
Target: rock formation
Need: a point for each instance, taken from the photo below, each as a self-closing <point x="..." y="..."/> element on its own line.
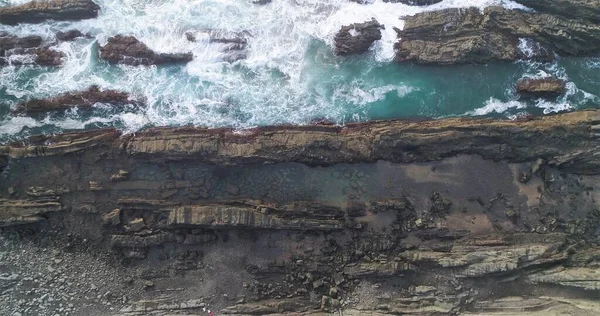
<point x="69" y="35"/>
<point x="232" y="44"/>
<point x="453" y="36"/>
<point x="541" y="87"/>
<point x="415" y="2"/>
<point x="81" y="99"/>
<point x="40" y="11"/>
<point x="452" y="216"/>
<point x="357" y="38"/>
<point x="128" y="50"/>
<point x="27" y="50"/>
<point x="576" y="9"/>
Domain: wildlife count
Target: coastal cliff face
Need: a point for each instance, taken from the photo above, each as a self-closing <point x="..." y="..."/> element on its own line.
<point x="456" y="216"/>
<point x="452" y="216"/>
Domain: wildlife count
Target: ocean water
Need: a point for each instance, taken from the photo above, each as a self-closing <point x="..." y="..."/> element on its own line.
<point x="290" y="75"/>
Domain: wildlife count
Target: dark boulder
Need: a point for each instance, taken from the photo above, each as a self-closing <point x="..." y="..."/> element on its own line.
<point x="541" y="87"/>
<point x="68" y="35"/>
<point x="357" y="38"/>
<point x="128" y="50"/>
<point x="82" y="99"/>
<point x="40" y="11"/>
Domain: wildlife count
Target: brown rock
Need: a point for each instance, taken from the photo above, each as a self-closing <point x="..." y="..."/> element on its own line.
<point x="357" y="38"/>
<point x="69" y="35"/>
<point x="82" y="99"/>
<point x="40" y="11"/>
<point x="128" y="50"/>
<point x="543" y="87"/>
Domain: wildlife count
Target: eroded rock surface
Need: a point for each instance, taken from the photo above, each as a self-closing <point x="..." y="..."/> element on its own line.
<point x="577" y="9"/>
<point x="16" y="50"/>
<point x="40" y="11"/>
<point x="82" y="99"/>
<point x="452" y="216"/>
<point x="453" y="36"/>
<point x="128" y="50"/>
<point x="357" y="38"/>
<point x="541" y="87"/>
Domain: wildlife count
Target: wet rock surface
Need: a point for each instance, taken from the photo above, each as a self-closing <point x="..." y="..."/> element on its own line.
<point x="40" y="11"/>
<point x="233" y="45"/>
<point x="69" y="35"/>
<point x="357" y="38"/>
<point x="128" y="50"/>
<point x="455" y="36"/>
<point x="158" y="223"/>
<point x="577" y="9"/>
<point x="81" y="99"/>
<point x="541" y="87"/>
<point x="31" y="49"/>
<point x="415" y="2"/>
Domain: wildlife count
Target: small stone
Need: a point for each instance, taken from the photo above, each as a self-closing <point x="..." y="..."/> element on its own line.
<point x="11" y="191"/>
<point x="137" y="225"/>
<point x="317" y="284"/>
<point x="148" y="284"/>
<point x="113" y="218"/>
<point x="232" y="189"/>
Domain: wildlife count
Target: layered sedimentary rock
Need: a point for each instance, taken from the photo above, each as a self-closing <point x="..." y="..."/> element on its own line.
<point x="452" y="216"/>
<point x="128" y="50"/>
<point x="40" y="11"/>
<point x="454" y="36"/>
<point x="27" y="50"/>
<point x="541" y="87"/>
<point x="81" y="99"/>
<point x="357" y="38"/>
<point x="576" y="9"/>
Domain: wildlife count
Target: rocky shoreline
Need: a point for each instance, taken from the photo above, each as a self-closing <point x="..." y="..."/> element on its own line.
<point x="452" y="216"/>
<point x="456" y="216"/>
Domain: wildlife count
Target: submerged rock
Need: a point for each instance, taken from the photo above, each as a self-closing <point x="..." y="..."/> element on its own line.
<point x="542" y="87"/>
<point x="83" y="99"/>
<point x="415" y="2"/>
<point x="454" y="36"/>
<point x="40" y="11"/>
<point x="27" y="50"/>
<point x="128" y="50"/>
<point x="68" y="35"/>
<point x="232" y="44"/>
<point x="357" y="38"/>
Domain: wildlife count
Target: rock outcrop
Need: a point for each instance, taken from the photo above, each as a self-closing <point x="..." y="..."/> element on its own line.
<point x="454" y="36"/>
<point x="40" y="11"/>
<point x="441" y="217"/>
<point x="233" y="45"/>
<point x="81" y="99"/>
<point x="27" y="50"/>
<point x="357" y="38"/>
<point x="415" y="2"/>
<point x="128" y="50"/>
<point x="69" y="35"/>
<point x="575" y="9"/>
<point x="541" y="87"/>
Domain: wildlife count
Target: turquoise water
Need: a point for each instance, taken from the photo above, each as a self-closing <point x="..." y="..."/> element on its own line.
<point x="289" y="76"/>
